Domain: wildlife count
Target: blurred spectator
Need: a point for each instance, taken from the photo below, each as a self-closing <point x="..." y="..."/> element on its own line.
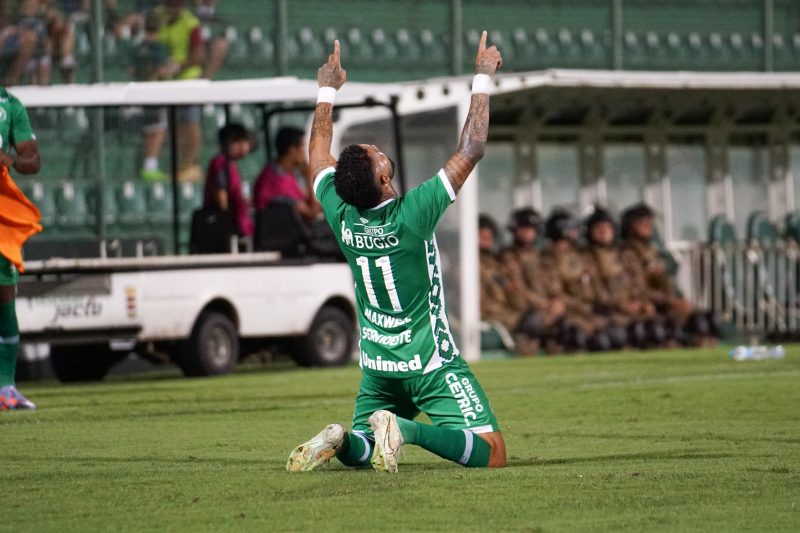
<point x="645" y="265"/>
<point x="56" y="39"/>
<point x="216" y="41"/>
<point x="618" y="290"/>
<point x="18" y="43"/>
<point x="150" y="61"/>
<point x="581" y="283"/>
<point x="278" y="178"/>
<point x="223" y="186"/>
<point x="503" y="304"/>
<point x="132" y="24"/>
<point x="180" y="31"/>
<point x="540" y="293"/>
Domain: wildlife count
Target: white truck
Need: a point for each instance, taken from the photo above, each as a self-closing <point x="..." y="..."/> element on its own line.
<point x="198" y="310"/>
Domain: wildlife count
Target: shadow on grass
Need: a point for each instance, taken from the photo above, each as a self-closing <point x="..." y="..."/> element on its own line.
<point x="672" y="455"/>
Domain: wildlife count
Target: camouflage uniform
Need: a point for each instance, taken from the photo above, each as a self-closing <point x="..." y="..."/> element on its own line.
<point x="503" y="301"/>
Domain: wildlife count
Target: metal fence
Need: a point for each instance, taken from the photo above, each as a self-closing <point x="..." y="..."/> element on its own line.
<point x="752" y="288"/>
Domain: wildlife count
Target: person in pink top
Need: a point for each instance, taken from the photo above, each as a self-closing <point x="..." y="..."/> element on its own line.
<point x="223" y="186"/>
<point x="278" y="178"/>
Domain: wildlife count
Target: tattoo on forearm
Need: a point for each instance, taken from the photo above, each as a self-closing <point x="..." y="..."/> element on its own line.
<point x="473" y="142"/>
<point x="319" y="145"/>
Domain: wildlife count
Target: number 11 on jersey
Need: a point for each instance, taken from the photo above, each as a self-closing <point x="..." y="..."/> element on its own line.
<point x="384" y="263"/>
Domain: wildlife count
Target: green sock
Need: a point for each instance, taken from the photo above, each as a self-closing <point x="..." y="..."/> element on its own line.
<point x="458" y="445"/>
<point x="357" y="449"/>
<point x="9" y="343"/>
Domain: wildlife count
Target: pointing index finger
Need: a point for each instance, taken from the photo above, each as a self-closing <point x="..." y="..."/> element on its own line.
<point x="482" y="43"/>
<point x="336" y="52"/>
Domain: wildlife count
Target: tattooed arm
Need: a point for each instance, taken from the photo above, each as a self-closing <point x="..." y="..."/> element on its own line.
<point x="331" y="74"/>
<point x="476" y="128"/>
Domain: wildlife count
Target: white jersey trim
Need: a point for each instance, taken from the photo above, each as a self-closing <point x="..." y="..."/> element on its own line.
<point x="322" y="173"/>
<point x="447" y="185"/>
<point x="482" y="429"/>
<point x="467" y="447"/>
<point x="382" y="204"/>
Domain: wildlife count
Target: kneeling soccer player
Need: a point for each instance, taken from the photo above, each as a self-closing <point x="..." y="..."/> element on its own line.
<point x="408" y="358"/>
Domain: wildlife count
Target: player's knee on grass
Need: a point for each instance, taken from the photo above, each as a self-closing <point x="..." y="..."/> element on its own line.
<point x="497" y="456"/>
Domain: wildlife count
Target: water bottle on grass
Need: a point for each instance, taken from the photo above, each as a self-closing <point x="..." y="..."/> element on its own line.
<point x="756" y="353"/>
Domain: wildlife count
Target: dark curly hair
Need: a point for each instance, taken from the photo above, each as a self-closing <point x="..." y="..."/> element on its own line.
<point x="354" y="181"/>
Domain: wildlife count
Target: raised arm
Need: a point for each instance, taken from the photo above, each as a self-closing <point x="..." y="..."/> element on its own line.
<point x="331" y="75"/>
<point x="476" y="128"/>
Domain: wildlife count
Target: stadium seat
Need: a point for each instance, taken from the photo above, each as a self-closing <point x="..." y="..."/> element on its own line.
<point x="761" y="231"/>
<point x="433" y="50"/>
<point x="238" y="54"/>
<point x="110" y="212"/>
<point x="570" y="51"/>
<point x="594" y="51"/>
<point x="359" y="47"/>
<point x="72" y="211"/>
<point x="383" y="47"/>
<point x="306" y="48"/>
<point x="132" y="205"/>
<point x="42" y="195"/>
<point x="721" y="231"/>
<point x="547" y="49"/>
<point x="261" y="49"/>
<point x="158" y="203"/>
<point x="408" y="51"/>
<point x="190" y="197"/>
<point x="634" y="53"/>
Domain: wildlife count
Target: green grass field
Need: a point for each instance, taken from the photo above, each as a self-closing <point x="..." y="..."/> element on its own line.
<point x="673" y="441"/>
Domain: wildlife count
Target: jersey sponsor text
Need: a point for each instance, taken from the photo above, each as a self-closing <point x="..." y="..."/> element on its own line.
<point x="385" y="321"/>
<point x="383" y="365"/>
<point x="464" y="393"/>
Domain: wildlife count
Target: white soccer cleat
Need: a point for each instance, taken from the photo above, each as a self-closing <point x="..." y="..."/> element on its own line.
<point x="317" y="451"/>
<point x="388" y="441"/>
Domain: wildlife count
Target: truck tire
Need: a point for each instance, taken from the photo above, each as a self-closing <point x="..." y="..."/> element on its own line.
<point x="81" y="363"/>
<point x="213" y="348"/>
<point x="329" y="341"/>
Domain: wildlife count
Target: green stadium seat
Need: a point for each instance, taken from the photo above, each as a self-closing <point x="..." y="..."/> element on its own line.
<point x="722" y="232"/>
<point x="409" y="54"/>
<point x="245" y="115"/>
<point x="110" y="212"/>
<point x="433" y="49"/>
<point x="190" y="197"/>
<point x="72" y="211"/>
<point x="359" y="47"/>
<point x="261" y="47"/>
<point x="570" y="52"/>
<point x="524" y="49"/>
<point x="595" y="53"/>
<point x="792" y="227"/>
<point x="238" y="54"/>
<point x="384" y="49"/>
<point x="130" y="198"/>
<point x="42" y="195"/>
<point x="547" y="49"/>
<point x="634" y="53"/>
<point x="306" y="48"/>
<point x="158" y="205"/>
<point x="761" y="231"/>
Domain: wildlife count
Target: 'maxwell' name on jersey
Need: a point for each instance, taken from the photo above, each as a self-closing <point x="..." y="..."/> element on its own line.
<point x="392" y="253"/>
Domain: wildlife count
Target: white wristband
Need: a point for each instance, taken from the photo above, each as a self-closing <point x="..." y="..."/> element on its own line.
<point x="326" y="95"/>
<point x="481" y="84"/>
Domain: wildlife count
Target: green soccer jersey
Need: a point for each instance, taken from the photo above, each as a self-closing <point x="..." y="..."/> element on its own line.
<point x="392" y="252"/>
<point x="15" y="126"/>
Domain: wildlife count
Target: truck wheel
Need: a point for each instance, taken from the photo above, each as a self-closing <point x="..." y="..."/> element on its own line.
<point x="81" y="363"/>
<point x="329" y="341"/>
<point x="213" y="348"/>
